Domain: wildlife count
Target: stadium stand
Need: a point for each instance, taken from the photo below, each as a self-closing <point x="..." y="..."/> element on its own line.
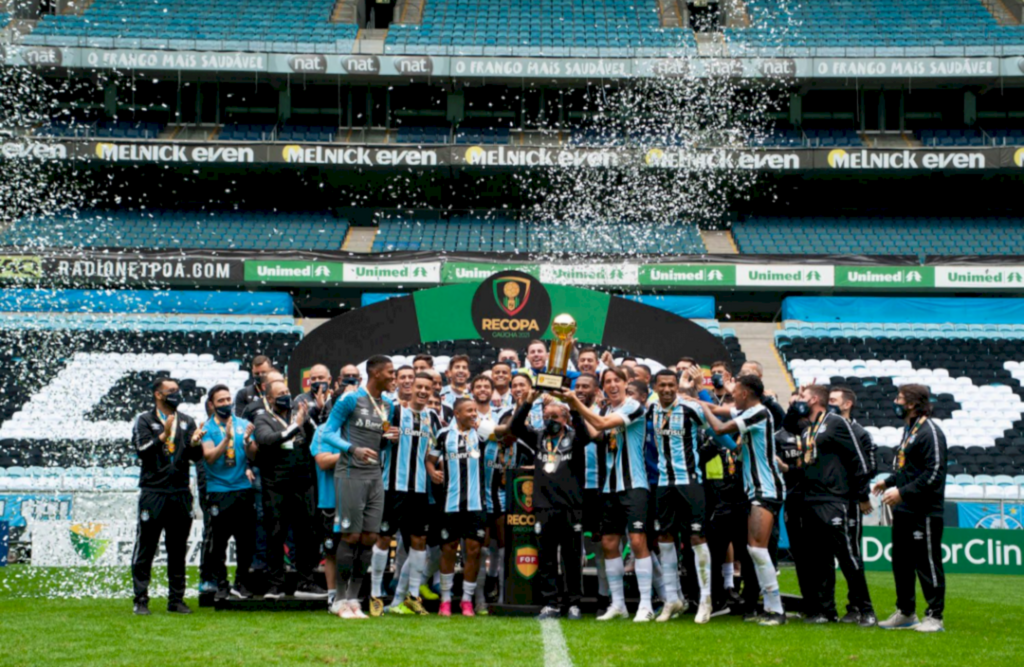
<point x="971" y="137"/>
<point x="469" y="234"/>
<point x="181" y="229"/>
<point x="257" y="25"/>
<point x="972" y="370"/>
<point x="607" y="28"/>
<point x="5" y="18"/>
<point x="880" y="235"/>
<point x="836" y="24"/>
<point x="104" y="129"/>
<point x="45" y="357"/>
<point x="246" y="132"/>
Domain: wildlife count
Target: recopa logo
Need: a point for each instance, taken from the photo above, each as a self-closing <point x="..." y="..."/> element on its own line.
<point x="84" y="539"/>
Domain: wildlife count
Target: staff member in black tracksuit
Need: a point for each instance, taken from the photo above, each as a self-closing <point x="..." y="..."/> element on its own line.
<point x="250" y="392"/>
<point x="167" y="443"/>
<point x="286" y="465"/>
<point x="843" y="400"/>
<point x="916" y="493"/>
<point x="558" y="499"/>
<point x="261" y="403"/>
<point x="834" y="469"/>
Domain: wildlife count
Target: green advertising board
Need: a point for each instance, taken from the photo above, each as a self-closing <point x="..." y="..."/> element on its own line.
<point x="293" y="271"/>
<point x="474" y="272"/>
<point x="964" y="550"/>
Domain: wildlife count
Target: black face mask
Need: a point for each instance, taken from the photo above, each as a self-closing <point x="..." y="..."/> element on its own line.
<point x="800" y="408"/>
<point x="318" y="387"/>
<point x="834" y="409"/>
<point x="900" y="410"/>
<point x="552" y="427"/>
<point x="173" y="400"/>
<point x="283" y="402"/>
<point x="717" y="381"/>
<point x="223" y="411"/>
<point x="347" y="381"/>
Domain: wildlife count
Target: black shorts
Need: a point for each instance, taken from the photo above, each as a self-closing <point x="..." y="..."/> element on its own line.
<point x="405" y="512"/>
<point x="435" y="514"/>
<point x="593" y="509"/>
<point x="681" y="510"/>
<point x="456" y="526"/>
<point x="770" y="504"/>
<point x="330" y="531"/>
<point x="625" y="510"/>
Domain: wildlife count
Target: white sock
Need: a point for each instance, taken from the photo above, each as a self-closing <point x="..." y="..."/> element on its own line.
<point x="702" y="558"/>
<point x="402" y="588"/>
<point x="670" y="567"/>
<point x="602" y="574"/>
<point x="767" y="578"/>
<point x="447" y="581"/>
<point x="659" y="579"/>
<point x="728" y="574"/>
<point x="644" y="575"/>
<point x="432" y="565"/>
<point x="378" y="562"/>
<point x="494" y="564"/>
<point x="401" y="553"/>
<point x="468" y="590"/>
<point x="615" y="570"/>
<point x="414" y="566"/>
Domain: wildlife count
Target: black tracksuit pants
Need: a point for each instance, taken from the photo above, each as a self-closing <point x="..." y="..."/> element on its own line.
<point x="917" y="555"/>
<point x="284" y="506"/>
<point x="232" y="514"/>
<point x="560" y="527"/>
<point x="827" y="536"/>
<point x="170" y="514"/>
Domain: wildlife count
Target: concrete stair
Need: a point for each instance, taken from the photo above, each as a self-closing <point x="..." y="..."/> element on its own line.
<point x="758" y="342"/>
<point x="1001" y="12"/>
<point x="718" y="243"/>
<point x="359" y="239"/>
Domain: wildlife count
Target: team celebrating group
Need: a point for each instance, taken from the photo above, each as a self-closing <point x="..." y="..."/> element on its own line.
<point x="621" y="456"/>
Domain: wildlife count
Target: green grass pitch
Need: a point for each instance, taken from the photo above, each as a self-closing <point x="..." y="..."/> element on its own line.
<point x="984" y="618"/>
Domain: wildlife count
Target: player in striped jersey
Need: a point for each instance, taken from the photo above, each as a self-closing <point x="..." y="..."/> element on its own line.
<point x="456" y="463"/>
<point x="677" y="424"/>
<point x="405" y="493"/>
<point x="458" y="380"/>
<point x="762" y="480"/>
<point x="624" y="425"/>
<point x="502" y="398"/>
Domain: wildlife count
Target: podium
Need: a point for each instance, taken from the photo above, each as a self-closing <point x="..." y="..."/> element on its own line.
<point x="521" y="547"/>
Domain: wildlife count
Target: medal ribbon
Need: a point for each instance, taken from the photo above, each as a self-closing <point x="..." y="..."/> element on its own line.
<point x="908" y="435"/>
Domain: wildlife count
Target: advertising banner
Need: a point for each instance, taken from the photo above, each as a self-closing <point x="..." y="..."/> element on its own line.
<point x="749" y="66"/>
<point x="103" y="544"/>
<point x="964" y="550"/>
<point x="1009" y="516"/>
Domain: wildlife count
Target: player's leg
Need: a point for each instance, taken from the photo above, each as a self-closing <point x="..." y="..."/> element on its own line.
<point x="613" y="518"/>
<point x="147" y="541"/>
<point x="759" y="528"/>
<point x="693" y="509"/>
<point x="669" y="553"/>
<point x="637" y="518"/>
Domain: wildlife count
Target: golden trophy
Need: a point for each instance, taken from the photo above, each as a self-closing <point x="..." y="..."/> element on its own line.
<point x="564" y="329"/>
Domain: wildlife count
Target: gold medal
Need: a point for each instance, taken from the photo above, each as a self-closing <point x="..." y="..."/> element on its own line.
<point x="385" y="425"/>
<point x="549" y="468"/>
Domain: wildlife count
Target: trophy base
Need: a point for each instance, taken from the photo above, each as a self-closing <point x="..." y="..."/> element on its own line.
<point x="552" y="382"/>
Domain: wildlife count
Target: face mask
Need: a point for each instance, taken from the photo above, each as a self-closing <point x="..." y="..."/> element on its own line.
<point x="349" y="381"/>
<point x="318" y="387"/>
<point x="834" y="409"/>
<point x="173" y="400"/>
<point x="223" y="411"/>
<point x="552" y="427"/>
<point x="283" y="402"/>
<point x="900" y="410"/>
<point x="513" y="366"/>
<point x="801" y="408"/>
<point x="717" y="381"/>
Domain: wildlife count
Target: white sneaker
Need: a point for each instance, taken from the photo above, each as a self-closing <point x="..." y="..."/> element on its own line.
<point x="930" y="624"/>
<point x="899" y="622"/>
<point x="643" y="615"/>
<point x="671" y="610"/>
<point x="356" y="609"/>
<point x="612" y="613"/>
<point x="341" y="609"/>
<point x="703" y="611"/>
